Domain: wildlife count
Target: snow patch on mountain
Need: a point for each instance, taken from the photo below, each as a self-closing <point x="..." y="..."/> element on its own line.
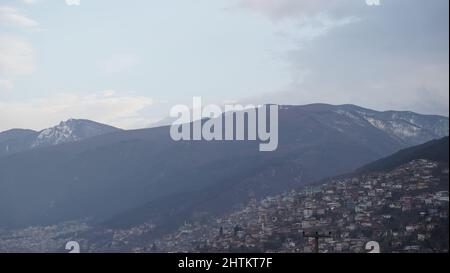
<point x="408" y="127"/>
<point x="355" y="118"/>
<point x="69" y="131"/>
<point x="59" y="134"/>
<point x="398" y="128"/>
<point x="403" y="130"/>
<point x="376" y="123"/>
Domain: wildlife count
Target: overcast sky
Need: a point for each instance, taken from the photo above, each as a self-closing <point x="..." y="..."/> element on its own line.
<point x="126" y="63"/>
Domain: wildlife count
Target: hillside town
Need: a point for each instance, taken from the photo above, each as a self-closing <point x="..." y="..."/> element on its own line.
<point x="403" y="210"/>
<point x="41" y="239"/>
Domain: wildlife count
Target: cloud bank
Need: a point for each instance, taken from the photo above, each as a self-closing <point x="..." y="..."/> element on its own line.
<point x="105" y="107"/>
<point x="391" y="56"/>
<point x="12" y="17"/>
<point x="16" y="59"/>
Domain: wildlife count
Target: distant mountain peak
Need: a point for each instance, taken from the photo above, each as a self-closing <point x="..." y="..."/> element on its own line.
<point x="71" y="130"/>
<point x="18" y="140"/>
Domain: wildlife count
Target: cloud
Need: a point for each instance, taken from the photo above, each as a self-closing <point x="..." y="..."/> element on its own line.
<point x="393" y="56"/>
<point x="312" y="28"/>
<point x="16" y="56"/>
<point x="282" y="9"/>
<point x="373" y="2"/>
<point x="6" y="85"/>
<point x="16" y="59"/>
<point x="73" y="2"/>
<point x="105" y="107"/>
<point x="30" y="2"/>
<point x="12" y="17"/>
<point x="305" y="20"/>
<point x="119" y="63"/>
<point x="68" y="2"/>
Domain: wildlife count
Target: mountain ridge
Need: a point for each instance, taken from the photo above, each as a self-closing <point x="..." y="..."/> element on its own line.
<point x="19" y="140"/>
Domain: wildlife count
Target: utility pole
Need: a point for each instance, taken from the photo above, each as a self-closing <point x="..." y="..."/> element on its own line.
<point x="316" y="237"/>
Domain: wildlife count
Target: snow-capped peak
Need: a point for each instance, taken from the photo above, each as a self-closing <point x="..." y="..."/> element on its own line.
<point x="69" y="131"/>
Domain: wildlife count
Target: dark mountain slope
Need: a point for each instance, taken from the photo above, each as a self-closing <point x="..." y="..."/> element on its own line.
<point x="435" y="150"/>
<point x="16" y="140"/>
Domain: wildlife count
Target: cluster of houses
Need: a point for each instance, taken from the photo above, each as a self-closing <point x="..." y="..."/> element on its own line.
<point x="41" y="239"/>
<point x="404" y="210"/>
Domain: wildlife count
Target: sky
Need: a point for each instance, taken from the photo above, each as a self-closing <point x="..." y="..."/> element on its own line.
<point x="126" y="63"/>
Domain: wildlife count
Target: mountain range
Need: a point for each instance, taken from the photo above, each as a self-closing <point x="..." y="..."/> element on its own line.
<point x="125" y="177"/>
